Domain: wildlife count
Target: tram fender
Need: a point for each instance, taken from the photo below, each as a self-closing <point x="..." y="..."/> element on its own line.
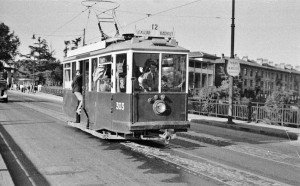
<point x="121" y="126"/>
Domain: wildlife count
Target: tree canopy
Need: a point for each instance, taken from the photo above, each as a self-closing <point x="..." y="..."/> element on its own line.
<point x="9" y="43"/>
<point x="41" y="64"/>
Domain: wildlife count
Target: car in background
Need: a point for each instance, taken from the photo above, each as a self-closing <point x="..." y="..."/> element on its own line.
<point x="3" y="90"/>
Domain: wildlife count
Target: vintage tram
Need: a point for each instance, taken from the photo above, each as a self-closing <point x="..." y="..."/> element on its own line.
<point x="117" y="102"/>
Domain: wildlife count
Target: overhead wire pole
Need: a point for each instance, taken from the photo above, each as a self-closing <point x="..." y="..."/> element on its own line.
<point x="230" y="108"/>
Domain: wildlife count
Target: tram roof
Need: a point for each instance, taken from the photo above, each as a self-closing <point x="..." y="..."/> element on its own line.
<point x="137" y="44"/>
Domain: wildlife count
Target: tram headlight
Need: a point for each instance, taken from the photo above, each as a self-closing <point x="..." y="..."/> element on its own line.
<point x="159" y="107"/>
<point x="162" y="97"/>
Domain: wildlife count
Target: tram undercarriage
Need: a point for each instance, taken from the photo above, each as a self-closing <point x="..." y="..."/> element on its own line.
<point x="158" y="135"/>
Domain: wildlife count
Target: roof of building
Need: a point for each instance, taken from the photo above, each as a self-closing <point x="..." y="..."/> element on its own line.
<point x="253" y="63"/>
<point x="200" y="54"/>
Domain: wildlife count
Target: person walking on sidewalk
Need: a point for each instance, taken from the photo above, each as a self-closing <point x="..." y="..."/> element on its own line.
<point x="77" y="89"/>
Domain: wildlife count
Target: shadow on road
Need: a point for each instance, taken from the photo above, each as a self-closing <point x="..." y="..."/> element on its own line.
<point x="13" y="157"/>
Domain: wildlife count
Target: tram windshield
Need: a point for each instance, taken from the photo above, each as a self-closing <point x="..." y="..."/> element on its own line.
<point x="148" y="71"/>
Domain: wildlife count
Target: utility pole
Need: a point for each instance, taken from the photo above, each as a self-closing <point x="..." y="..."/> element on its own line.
<point x="83" y="40"/>
<point x="231" y="77"/>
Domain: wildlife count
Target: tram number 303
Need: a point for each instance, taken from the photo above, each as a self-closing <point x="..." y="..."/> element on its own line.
<point x="119" y="106"/>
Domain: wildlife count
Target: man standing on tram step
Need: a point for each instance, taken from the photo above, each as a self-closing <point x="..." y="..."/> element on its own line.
<point x="150" y="79"/>
<point x="77" y="89"/>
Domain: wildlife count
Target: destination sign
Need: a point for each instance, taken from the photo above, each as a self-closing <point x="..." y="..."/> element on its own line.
<point x="155" y="33"/>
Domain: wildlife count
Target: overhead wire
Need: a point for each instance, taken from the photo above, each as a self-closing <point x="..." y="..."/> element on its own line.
<point x="68" y="21"/>
<point x="149" y="15"/>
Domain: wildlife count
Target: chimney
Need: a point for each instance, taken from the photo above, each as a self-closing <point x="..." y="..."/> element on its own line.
<point x="288" y="66"/>
<point x="260" y="61"/>
<point x="223" y="56"/>
<point x="265" y="61"/>
<point x="281" y="65"/>
<point x="276" y="65"/>
<point x="245" y="58"/>
<point x="297" y="68"/>
<point x="271" y="63"/>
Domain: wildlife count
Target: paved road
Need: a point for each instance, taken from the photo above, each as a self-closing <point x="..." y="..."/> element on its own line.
<point x="51" y="153"/>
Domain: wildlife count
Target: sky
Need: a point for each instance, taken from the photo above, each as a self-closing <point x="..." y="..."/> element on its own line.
<point x="268" y="29"/>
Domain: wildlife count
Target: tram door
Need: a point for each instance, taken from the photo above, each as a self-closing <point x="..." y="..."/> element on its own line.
<point x="86" y="110"/>
<point x="98" y="100"/>
<point x="121" y="100"/>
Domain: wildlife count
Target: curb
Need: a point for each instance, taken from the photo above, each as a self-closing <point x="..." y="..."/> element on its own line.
<point x="5" y="177"/>
<point x="283" y="133"/>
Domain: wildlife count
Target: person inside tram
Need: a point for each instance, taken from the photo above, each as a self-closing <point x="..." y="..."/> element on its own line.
<point x="164" y="83"/>
<point x="138" y="81"/>
<point x="150" y="78"/>
<point x="101" y="78"/>
<point x="77" y="89"/>
<point x="121" y="74"/>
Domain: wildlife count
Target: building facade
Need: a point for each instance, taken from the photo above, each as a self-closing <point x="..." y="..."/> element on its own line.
<point x="258" y="78"/>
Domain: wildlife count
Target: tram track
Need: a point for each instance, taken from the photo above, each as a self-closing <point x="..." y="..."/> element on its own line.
<point x="203" y="167"/>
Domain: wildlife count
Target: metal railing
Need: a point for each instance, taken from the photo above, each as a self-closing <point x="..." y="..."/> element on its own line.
<point x="58" y="91"/>
<point x="254" y="112"/>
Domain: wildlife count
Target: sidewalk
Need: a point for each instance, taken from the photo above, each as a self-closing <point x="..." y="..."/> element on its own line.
<point x="261" y="128"/>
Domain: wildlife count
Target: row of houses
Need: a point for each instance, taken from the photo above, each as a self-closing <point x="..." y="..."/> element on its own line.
<point x="260" y="76"/>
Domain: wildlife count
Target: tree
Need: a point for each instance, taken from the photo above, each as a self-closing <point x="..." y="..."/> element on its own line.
<point x="41" y="63"/>
<point x="223" y="90"/>
<point x="9" y="43"/>
<point x="274" y="106"/>
<point x="67" y="43"/>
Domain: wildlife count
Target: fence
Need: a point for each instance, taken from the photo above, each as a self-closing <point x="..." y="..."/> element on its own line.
<point x="58" y="91"/>
<point x="253" y="112"/>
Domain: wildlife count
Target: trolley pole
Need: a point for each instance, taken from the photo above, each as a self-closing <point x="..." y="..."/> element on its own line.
<point x="231" y="77"/>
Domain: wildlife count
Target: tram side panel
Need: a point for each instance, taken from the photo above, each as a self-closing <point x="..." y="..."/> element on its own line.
<point x="121" y="112"/>
<point x="103" y="111"/>
<point x="70" y="103"/>
<point x="89" y="114"/>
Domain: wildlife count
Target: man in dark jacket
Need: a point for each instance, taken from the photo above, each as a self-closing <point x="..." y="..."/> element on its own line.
<point x="77" y="89"/>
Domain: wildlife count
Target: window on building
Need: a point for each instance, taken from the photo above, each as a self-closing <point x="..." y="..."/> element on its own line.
<point x="245" y="82"/>
<point x="245" y="72"/>
<point x="251" y="72"/>
<point x="271" y="85"/>
<point x="251" y="83"/>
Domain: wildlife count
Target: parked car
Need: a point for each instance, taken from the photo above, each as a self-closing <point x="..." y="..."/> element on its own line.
<point x="3" y="90"/>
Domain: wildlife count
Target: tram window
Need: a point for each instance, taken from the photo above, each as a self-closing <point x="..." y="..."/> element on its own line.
<point x="67" y="75"/>
<point x="173" y="73"/>
<point x="67" y="65"/>
<point x="73" y="70"/>
<point x="87" y="75"/>
<point x="121" y="72"/>
<point x="102" y="74"/>
<point x="141" y="71"/>
<point x="94" y="66"/>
